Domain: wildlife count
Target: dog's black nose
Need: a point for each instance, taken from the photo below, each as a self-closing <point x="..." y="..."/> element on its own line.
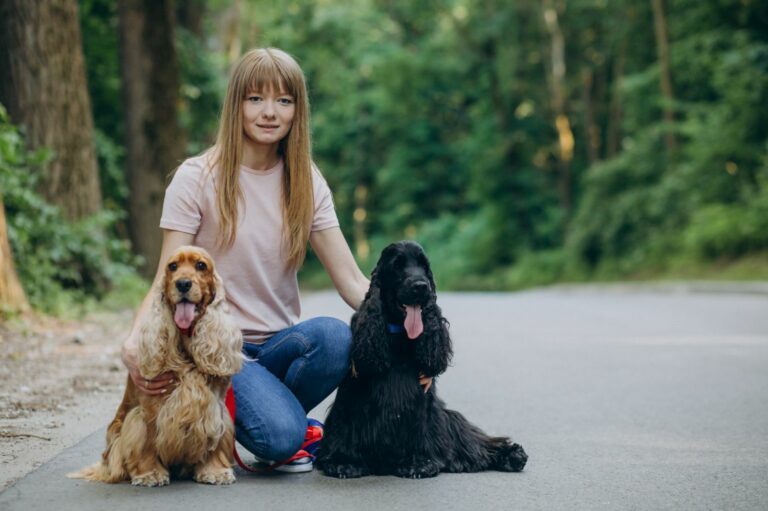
<point x="417" y="291"/>
<point x="183" y="285"/>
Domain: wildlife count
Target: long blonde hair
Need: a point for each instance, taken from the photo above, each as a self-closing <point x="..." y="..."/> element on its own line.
<point x="257" y="70"/>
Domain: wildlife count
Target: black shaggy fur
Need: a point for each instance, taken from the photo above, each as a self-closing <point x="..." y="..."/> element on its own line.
<point x="382" y="422"/>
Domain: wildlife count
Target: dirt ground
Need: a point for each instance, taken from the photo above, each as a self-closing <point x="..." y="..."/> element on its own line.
<point x="59" y="381"/>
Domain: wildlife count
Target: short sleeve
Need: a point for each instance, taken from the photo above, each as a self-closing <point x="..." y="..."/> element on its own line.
<point x="181" y="206"/>
<point x="325" y="213"/>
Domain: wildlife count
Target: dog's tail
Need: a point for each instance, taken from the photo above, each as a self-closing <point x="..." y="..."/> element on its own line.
<point x="101" y="472"/>
<point x="110" y="469"/>
<point x="506" y="456"/>
<point x="95" y="472"/>
<point x="473" y="450"/>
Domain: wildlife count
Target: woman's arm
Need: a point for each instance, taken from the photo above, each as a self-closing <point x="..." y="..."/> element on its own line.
<point x="130" y="351"/>
<point x="332" y="250"/>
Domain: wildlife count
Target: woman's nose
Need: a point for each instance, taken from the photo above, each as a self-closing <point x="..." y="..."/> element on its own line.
<point x="269" y="109"/>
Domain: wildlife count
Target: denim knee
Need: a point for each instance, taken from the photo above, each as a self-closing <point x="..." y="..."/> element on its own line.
<point x="286" y="434"/>
<point x="334" y="338"/>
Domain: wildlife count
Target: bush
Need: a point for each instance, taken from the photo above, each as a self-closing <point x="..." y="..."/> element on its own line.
<point x="537" y="269"/>
<point x="729" y="230"/>
<point x="60" y="264"/>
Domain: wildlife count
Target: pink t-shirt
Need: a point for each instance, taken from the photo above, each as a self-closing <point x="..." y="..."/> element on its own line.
<point x="263" y="294"/>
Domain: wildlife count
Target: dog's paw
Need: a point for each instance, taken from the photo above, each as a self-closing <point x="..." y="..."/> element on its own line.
<point x="419" y="470"/>
<point x="344" y="471"/>
<point x="219" y="477"/>
<point x="152" y="478"/>
<point x="512" y="459"/>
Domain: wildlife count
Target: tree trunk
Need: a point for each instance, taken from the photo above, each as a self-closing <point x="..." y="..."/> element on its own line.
<point x="614" y="132"/>
<point x="43" y="86"/>
<point x="591" y="131"/>
<point x="230" y="30"/>
<point x="12" y="297"/>
<point x="662" y="47"/>
<point x="190" y="15"/>
<point x="155" y="142"/>
<point x="562" y="123"/>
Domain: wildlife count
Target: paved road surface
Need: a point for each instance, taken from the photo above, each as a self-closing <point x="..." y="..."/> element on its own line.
<point x="624" y="399"/>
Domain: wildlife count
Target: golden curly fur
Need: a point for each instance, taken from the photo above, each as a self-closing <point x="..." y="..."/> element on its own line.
<point x="188" y="430"/>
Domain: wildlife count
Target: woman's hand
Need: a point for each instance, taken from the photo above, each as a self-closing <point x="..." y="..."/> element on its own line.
<point x="156" y="386"/>
<point x="425" y="382"/>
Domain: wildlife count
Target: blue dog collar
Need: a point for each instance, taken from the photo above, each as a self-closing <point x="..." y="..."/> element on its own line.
<point x="395" y="329"/>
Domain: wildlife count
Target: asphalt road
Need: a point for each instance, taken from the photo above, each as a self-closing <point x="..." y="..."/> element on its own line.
<point x="623" y="398"/>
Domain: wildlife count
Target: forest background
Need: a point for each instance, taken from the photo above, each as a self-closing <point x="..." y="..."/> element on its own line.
<point x="520" y="142"/>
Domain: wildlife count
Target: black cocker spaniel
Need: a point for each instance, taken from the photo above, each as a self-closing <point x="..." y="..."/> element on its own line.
<point x="382" y="421"/>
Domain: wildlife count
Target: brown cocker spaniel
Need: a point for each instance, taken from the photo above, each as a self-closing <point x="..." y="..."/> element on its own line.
<point x="188" y="431"/>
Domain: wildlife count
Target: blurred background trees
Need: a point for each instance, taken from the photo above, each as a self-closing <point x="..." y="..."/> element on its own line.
<point x="520" y="142"/>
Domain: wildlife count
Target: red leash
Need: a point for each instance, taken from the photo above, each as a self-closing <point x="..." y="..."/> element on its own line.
<point x="313" y="436"/>
<point x="229" y="401"/>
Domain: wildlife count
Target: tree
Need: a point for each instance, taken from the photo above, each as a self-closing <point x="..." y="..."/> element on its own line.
<point x="43" y="86"/>
<point x="665" y="75"/>
<point x="558" y="102"/>
<point x="155" y="142"/>
<point x="12" y="297"/>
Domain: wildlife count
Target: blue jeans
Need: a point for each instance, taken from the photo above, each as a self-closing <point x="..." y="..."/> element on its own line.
<point x="295" y="370"/>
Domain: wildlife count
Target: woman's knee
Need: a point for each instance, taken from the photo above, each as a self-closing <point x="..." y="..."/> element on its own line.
<point x="286" y="437"/>
<point x="277" y="439"/>
<point x="270" y="422"/>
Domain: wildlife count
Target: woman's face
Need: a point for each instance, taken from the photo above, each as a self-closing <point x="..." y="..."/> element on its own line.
<point x="268" y="115"/>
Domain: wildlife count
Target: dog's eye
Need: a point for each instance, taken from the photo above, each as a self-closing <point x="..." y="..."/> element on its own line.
<point x="201" y="266"/>
<point x="173" y="266"/>
<point x="399" y="262"/>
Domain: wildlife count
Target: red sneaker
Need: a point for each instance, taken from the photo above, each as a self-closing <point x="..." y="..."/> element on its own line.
<point x="303" y="460"/>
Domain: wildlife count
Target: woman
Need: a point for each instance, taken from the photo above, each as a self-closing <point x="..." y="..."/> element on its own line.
<point x="254" y="200"/>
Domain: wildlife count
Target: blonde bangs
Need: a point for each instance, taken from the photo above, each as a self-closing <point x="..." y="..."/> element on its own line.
<point x="266" y="74"/>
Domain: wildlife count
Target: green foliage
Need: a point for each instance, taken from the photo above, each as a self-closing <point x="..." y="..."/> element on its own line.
<point x="202" y="89"/>
<point x="99" y="28"/>
<point x="539" y="269"/>
<point x="61" y="265"/>
<point x="650" y="210"/>
<point x="729" y="230"/>
<point x="435" y="120"/>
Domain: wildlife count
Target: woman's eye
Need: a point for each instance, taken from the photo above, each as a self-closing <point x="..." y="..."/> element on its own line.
<point x="285" y="101"/>
<point x="173" y="266"/>
<point x="254" y="98"/>
<point x="201" y="266"/>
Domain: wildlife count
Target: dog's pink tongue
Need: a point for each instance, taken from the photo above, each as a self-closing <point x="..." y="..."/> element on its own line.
<point x="185" y="315"/>
<point x="413" y="324"/>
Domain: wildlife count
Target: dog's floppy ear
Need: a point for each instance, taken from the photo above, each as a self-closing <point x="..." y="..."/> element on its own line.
<point x="434" y="350"/>
<point x="370" y="342"/>
<point x="216" y="343"/>
<point x="218" y="289"/>
<point x="158" y="337"/>
<point x="428" y="270"/>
